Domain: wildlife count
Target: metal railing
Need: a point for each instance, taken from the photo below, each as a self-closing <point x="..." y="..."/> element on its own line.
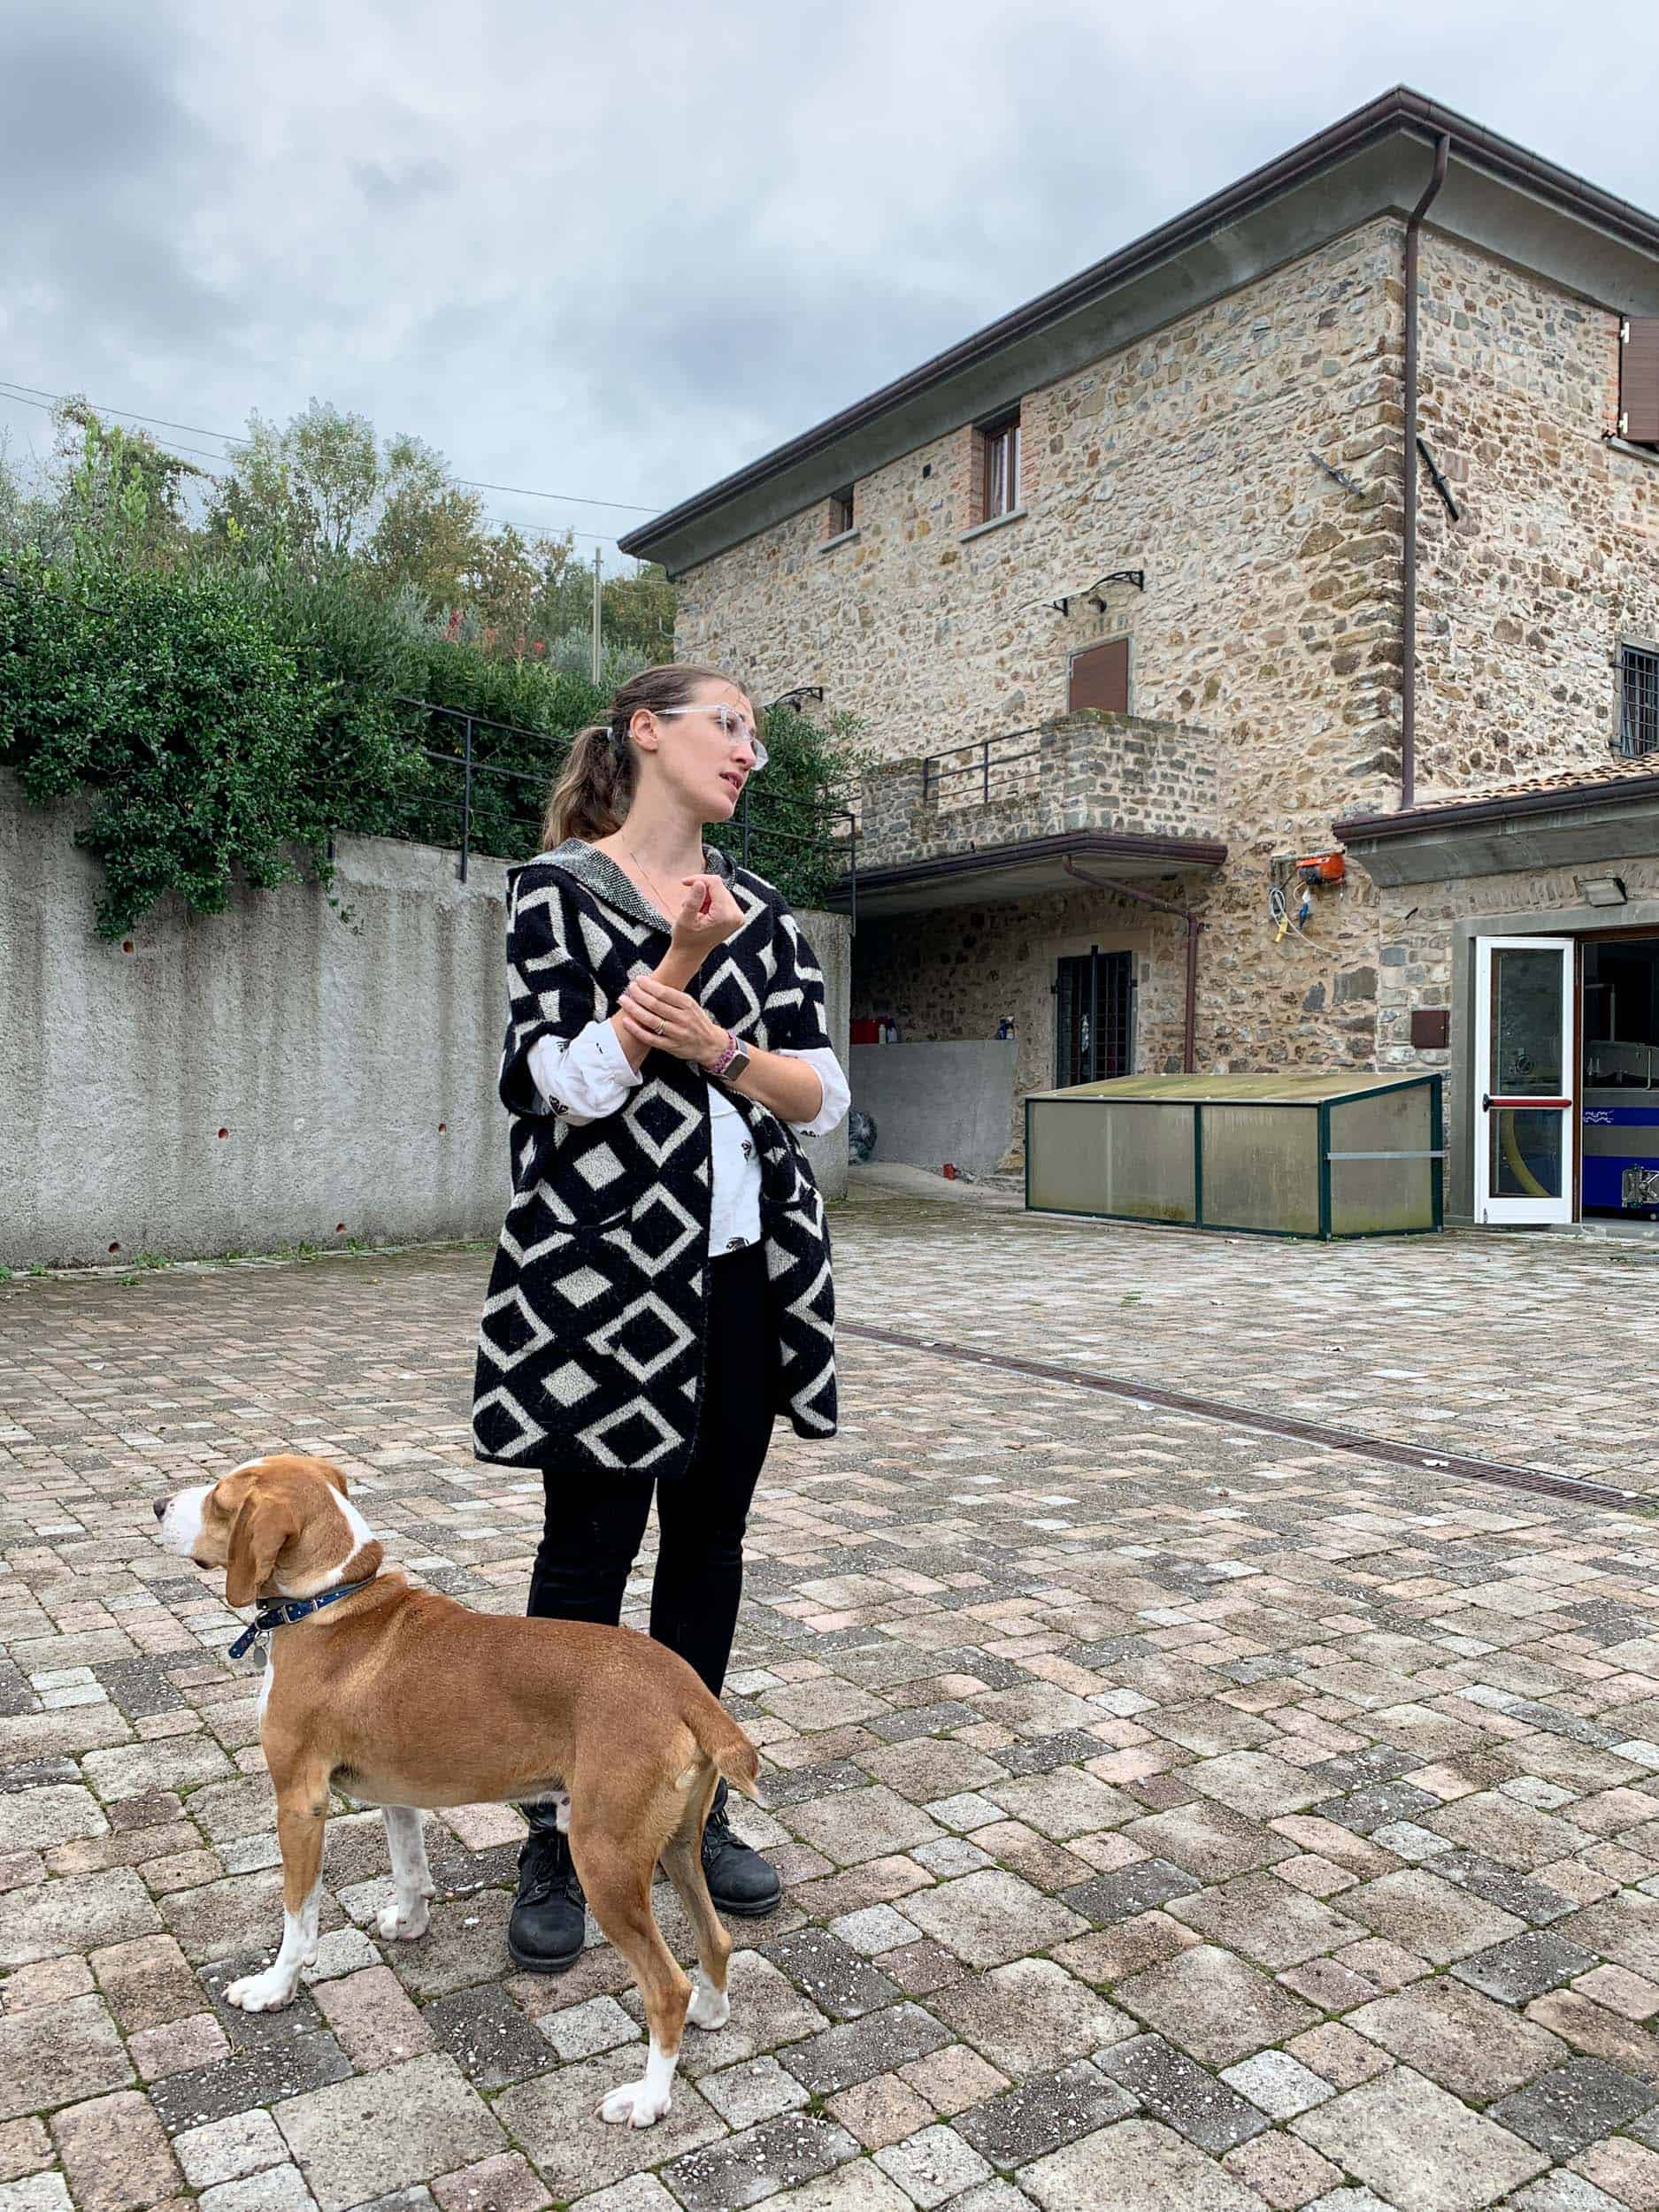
<point x="830" y="835"/>
<point x="980" y="764"/>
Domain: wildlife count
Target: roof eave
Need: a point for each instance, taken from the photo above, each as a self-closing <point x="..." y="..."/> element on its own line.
<point x="739" y="505"/>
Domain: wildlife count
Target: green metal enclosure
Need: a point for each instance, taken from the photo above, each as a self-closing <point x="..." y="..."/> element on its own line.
<point x="1339" y="1154"/>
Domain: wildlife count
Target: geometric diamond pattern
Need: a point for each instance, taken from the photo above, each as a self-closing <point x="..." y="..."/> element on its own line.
<point x="598" y="1297"/>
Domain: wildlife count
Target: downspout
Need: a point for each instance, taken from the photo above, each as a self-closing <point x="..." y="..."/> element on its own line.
<point x="1194" y="927"/>
<point x="1409" y="623"/>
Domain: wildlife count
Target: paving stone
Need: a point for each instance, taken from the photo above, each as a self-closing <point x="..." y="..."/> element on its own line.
<point x="933" y="2166"/>
<point x="1178" y="2090"/>
<point x="859" y="2048"/>
<point x="375" y="2022"/>
<point x="79" y="1913"/>
<point x="838" y="1979"/>
<point x="226" y="2150"/>
<point x="1209" y="1841"/>
<point x="249" y="2078"/>
<point x="58" y="2054"/>
<point x="1404" y="2134"/>
<point x="1254" y="1783"/>
<point x="1213" y="2004"/>
<point x="1284" y="2172"/>
<point x="1040" y="2115"/>
<point x="1428" y="1916"/>
<point x="1030" y="2017"/>
<point x="24" y="2147"/>
<point x="36" y="1819"/>
<point x="1524" y="1967"/>
<point x="1279" y="2085"/>
<point x="551" y="2120"/>
<point x="383" y="2131"/>
<point x="1256" y="1913"/>
<point x="758" y="2090"/>
<point x="1458" y="2038"/>
<point x="884" y="2110"/>
<point x="1137" y="2167"/>
<point x="858" y="1825"/>
<point x="1064" y="1802"/>
<point x="505" y="2183"/>
<point x="1568" y="2108"/>
<point x="744" y="2168"/>
<point x="584" y="2031"/>
<point x="1129" y="1890"/>
<point x="487" y="2036"/>
<point x="989" y="1918"/>
<point x="114" y="2154"/>
<point x="952" y="2078"/>
<point x="281" y="2190"/>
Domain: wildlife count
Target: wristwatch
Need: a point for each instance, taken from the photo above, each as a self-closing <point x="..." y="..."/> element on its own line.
<point x="731" y="1062"/>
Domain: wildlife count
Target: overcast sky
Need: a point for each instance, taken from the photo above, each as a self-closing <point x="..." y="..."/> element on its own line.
<point x="619" y="250"/>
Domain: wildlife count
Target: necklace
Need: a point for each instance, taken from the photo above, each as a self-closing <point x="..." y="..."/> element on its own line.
<point x="664" y="906"/>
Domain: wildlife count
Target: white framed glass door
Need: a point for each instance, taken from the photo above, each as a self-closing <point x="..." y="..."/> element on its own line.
<point x="1525" y="1082"/>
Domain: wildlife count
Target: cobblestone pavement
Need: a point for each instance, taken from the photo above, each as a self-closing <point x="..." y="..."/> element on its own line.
<point x="1172" y="1817"/>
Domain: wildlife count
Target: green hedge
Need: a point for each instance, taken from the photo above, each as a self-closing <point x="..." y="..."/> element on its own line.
<point x="227" y="723"/>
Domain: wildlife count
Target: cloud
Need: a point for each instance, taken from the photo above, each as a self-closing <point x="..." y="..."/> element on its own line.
<point x="621" y="251"/>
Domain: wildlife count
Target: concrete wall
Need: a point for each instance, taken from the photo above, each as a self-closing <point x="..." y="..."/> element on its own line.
<point x="934" y="1102"/>
<point x="271" y="1075"/>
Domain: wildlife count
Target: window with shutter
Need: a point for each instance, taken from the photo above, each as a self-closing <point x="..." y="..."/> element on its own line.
<point x="999" y="467"/>
<point x="1638" y="379"/>
<point x="1100" y="678"/>
<point x="840" y="513"/>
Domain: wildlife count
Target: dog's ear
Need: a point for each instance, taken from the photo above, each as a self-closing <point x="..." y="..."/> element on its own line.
<point x="264" y="1525"/>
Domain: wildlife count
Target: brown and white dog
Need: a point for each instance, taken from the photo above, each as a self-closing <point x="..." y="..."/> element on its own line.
<point x="404" y="1699"/>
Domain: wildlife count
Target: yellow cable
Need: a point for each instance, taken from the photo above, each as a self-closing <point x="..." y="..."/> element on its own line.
<point x="1524" y="1174"/>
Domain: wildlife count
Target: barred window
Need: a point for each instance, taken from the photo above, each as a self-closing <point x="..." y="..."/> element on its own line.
<point x="1638" y="700"/>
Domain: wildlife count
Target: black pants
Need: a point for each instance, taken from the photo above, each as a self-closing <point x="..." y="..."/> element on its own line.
<point x="594" y="1523"/>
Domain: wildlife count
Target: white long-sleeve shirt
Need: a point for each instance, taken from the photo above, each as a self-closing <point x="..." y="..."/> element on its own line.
<point x="588" y="1076"/>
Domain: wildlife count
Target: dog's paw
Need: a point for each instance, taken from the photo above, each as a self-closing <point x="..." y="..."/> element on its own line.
<point x="709" y="2008"/>
<point x="403" y="1921"/>
<point x="634" y="2103"/>
<point x="261" y="1992"/>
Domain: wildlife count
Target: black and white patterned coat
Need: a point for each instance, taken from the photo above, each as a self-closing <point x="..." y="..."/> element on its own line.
<point x="590" y="1352"/>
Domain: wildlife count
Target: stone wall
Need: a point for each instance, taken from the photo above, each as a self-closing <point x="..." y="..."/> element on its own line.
<point x="1524" y="601"/>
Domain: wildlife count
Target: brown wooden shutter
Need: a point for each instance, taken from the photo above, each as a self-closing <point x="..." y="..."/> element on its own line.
<point x="1100" y="678"/>
<point x="1638" y="379"/>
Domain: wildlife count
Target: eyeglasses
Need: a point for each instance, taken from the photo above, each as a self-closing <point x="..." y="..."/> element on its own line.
<point x="734" y="725"/>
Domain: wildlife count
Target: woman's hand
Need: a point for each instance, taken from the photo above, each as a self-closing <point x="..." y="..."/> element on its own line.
<point x="666" y="1020"/>
<point x="708" y="916"/>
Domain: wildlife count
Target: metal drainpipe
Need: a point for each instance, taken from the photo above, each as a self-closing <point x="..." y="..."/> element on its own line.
<point x="1194" y="927"/>
<point x="1408" y="624"/>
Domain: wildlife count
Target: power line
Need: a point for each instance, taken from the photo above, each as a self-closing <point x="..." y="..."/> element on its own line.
<point x="15" y="392"/>
<point x="469" y="483"/>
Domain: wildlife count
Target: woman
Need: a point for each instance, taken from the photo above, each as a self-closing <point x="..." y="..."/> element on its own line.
<point x="662" y="1288"/>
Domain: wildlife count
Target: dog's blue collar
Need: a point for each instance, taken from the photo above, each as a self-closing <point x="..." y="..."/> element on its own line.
<point x="290" y="1609"/>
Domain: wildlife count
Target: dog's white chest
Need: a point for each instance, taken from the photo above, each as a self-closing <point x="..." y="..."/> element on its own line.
<point x="268" y="1678"/>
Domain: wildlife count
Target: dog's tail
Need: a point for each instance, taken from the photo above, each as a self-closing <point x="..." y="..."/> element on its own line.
<point x="724" y="1743"/>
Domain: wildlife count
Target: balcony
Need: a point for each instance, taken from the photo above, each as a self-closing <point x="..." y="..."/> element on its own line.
<point x="1012" y="817"/>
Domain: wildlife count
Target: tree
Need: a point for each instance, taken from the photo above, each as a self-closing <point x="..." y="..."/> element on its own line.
<point x="118" y="491"/>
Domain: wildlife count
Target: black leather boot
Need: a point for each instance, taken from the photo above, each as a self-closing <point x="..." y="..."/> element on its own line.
<point x="544" y="1933"/>
<point x="740" y="1880"/>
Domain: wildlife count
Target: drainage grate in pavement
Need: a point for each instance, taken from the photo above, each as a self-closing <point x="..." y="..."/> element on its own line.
<point x="1541" y="1479"/>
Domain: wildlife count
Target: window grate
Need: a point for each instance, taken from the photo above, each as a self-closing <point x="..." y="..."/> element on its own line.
<point x="1639" y="701"/>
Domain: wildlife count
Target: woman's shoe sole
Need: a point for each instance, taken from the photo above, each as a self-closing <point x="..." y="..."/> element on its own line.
<point x="528" y="1965"/>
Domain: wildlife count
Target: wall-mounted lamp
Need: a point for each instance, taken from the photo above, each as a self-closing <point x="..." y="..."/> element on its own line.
<point x="1602" y="890"/>
<point x="802" y="691"/>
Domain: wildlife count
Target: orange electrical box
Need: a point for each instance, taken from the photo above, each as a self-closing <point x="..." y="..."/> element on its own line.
<point x="1322" y="868"/>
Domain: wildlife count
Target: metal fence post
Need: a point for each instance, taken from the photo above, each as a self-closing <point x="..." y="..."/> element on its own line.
<point x="466" y="803"/>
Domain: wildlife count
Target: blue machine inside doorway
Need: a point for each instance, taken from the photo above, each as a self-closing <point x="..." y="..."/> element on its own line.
<point x="1620" y="1100"/>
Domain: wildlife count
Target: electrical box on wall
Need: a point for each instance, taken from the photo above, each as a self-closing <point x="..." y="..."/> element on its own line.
<point x="1322" y="867"/>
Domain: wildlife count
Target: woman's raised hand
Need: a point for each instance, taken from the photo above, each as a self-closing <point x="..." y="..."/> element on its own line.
<point x="708" y="916"/>
<point x="666" y="1020"/>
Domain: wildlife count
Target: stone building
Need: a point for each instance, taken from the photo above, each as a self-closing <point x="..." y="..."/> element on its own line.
<point x="1140" y="607"/>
